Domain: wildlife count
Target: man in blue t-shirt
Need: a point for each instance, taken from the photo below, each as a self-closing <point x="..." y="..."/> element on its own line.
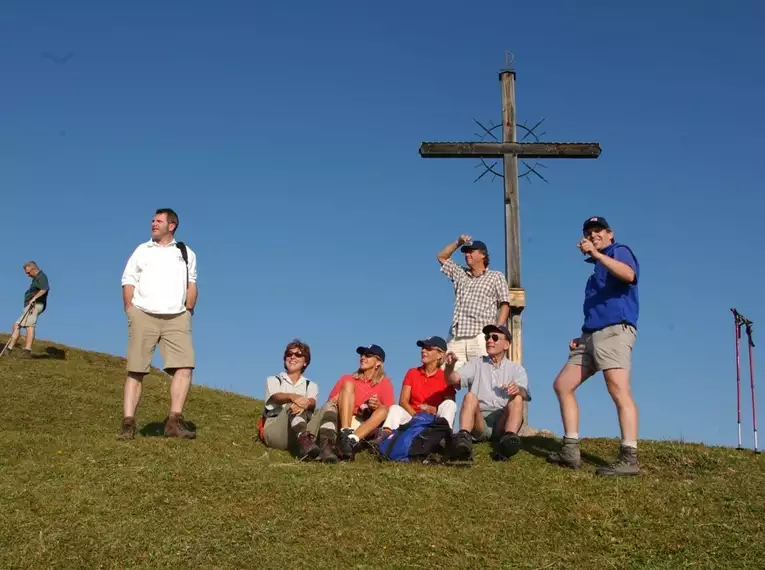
<point x="611" y="309"/>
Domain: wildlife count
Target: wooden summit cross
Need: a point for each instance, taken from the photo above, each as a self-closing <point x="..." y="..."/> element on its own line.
<point x="509" y="150"/>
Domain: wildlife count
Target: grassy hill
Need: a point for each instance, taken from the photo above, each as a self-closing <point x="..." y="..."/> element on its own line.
<point x="72" y="496"/>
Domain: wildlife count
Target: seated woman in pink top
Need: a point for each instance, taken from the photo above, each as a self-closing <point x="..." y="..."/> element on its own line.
<point x="363" y="399"/>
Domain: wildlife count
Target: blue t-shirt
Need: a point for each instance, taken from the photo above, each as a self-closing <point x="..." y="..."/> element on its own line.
<point x="607" y="299"/>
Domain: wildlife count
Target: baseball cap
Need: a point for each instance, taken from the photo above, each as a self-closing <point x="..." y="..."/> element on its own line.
<point x="372" y="349"/>
<point x="473" y="246"/>
<point x="433" y="341"/>
<point x="595" y="221"/>
<point x="500" y="329"/>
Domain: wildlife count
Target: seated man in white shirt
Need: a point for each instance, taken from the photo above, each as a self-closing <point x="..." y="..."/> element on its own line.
<point x="493" y="408"/>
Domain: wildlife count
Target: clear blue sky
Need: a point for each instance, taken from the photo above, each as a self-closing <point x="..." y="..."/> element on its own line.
<point x="286" y="136"/>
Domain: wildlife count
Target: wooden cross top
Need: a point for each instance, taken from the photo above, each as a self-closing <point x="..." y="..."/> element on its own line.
<point x="509" y="150"/>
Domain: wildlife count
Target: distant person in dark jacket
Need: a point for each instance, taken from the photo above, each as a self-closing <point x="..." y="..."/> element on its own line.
<point x="35" y="303"/>
<point x="611" y="309"/>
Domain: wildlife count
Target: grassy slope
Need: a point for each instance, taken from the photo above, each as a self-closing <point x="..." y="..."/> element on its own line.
<point x="71" y="496"/>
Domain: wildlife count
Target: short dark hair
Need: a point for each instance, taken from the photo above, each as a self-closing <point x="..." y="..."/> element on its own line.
<point x="302" y="347"/>
<point x="172" y="217"/>
<point x="485" y="257"/>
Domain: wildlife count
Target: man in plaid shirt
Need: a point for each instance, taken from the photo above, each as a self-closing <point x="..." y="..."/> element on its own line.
<point x="482" y="297"/>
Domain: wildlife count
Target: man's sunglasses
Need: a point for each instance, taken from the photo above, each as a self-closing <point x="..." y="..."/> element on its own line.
<point x="494" y="337"/>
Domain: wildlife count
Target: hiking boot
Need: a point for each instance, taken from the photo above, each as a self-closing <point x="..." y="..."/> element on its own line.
<point x="345" y="445"/>
<point x="569" y="454"/>
<point x="128" y="430"/>
<point x="327" y="451"/>
<point x="462" y="449"/>
<point x="508" y="445"/>
<point x="25" y="353"/>
<point x="626" y="464"/>
<point x="308" y="447"/>
<point x="380" y="436"/>
<point x="176" y="427"/>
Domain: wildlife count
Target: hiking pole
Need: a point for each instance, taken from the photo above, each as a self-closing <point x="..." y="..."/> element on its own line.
<point x="737" y="331"/>
<point x="751" y="380"/>
<point x="23" y="316"/>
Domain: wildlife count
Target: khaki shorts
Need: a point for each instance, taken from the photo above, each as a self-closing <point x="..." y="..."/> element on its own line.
<point x="610" y="347"/>
<point x="171" y="332"/>
<point x="30" y="319"/>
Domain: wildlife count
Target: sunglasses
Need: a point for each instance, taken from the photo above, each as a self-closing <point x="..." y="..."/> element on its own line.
<point x="495" y="337"/>
<point x="295" y="354"/>
<point x="431" y="348"/>
<point x="369" y="355"/>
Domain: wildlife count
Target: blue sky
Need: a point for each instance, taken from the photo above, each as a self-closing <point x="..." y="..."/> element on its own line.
<point x="287" y="135"/>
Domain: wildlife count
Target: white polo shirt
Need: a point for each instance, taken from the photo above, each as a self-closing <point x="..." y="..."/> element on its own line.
<point x="282" y="383"/>
<point x="158" y="274"/>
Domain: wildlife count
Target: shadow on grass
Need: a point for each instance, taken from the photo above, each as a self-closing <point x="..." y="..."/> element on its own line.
<point x="542" y="446"/>
<point x="157" y="429"/>
<point x="51" y="353"/>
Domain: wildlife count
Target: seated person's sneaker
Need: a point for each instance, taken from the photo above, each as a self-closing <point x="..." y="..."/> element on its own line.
<point x="462" y="447"/>
<point x="379" y="437"/>
<point x="345" y="444"/>
<point x="508" y="445"/>
<point x="307" y="445"/>
<point x="327" y="453"/>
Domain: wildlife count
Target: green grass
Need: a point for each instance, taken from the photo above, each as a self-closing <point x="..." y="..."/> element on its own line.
<point x="72" y="496"/>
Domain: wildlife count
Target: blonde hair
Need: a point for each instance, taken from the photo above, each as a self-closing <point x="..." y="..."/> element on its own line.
<point x="376" y="379"/>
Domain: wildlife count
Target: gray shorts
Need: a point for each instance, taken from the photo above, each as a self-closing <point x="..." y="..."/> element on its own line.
<point x="610" y="347"/>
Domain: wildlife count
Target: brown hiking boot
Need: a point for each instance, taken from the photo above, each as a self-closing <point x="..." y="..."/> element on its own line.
<point x="626" y="464"/>
<point x="569" y="454"/>
<point x="307" y="446"/>
<point x="327" y="451"/>
<point x="176" y="427"/>
<point x="128" y="429"/>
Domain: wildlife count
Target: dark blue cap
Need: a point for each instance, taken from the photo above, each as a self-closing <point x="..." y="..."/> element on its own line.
<point x="595" y="221"/>
<point x="473" y="246"/>
<point x="372" y="349"/>
<point x="500" y="329"/>
<point x="433" y="341"/>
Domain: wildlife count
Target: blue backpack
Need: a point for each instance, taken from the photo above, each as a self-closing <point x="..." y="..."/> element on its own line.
<point x="417" y="439"/>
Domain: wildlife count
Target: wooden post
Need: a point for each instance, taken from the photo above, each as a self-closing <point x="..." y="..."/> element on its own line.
<point x="512" y="224"/>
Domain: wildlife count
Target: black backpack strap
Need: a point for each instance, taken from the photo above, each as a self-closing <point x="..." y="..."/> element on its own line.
<point x="185" y="255"/>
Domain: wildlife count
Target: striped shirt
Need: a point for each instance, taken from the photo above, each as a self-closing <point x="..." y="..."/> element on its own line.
<point x="477" y="299"/>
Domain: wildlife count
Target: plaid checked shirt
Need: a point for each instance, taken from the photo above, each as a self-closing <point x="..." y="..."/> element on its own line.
<point x="477" y="299"/>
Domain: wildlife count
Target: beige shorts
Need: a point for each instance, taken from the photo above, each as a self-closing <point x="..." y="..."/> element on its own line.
<point x="171" y="332"/>
<point x="29" y="319"/>
<point x="610" y="347"/>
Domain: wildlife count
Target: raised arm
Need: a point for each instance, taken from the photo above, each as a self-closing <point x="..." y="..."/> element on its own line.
<point x="449" y="249"/>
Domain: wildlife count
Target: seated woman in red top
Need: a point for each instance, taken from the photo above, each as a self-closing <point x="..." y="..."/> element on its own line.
<point x="424" y="389"/>
<point x="363" y="399"/>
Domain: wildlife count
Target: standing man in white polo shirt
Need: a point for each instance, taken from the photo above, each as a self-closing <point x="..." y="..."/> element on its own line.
<point x="159" y="289"/>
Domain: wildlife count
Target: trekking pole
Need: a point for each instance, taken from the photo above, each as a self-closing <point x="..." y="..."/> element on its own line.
<point x="23" y="316"/>
<point x="751" y="379"/>
<point x="737" y="332"/>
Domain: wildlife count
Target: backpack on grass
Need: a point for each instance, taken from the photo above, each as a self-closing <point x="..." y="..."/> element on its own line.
<point x="417" y="439"/>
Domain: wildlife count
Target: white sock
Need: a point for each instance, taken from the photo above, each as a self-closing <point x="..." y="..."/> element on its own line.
<point x="354" y="437"/>
<point x="630" y="443"/>
<point x="572" y="435"/>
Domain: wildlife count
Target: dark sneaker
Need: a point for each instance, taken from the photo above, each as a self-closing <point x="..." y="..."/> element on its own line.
<point x="380" y="436"/>
<point x="327" y="451"/>
<point x="9" y="352"/>
<point x="462" y="448"/>
<point x="25" y="353"/>
<point x="345" y="445"/>
<point x="625" y="465"/>
<point x="307" y="445"/>
<point x="176" y="427"/>
<point x="128" y="430"/>
<point x="569" y="454"/>
<point x="508" y="445"/>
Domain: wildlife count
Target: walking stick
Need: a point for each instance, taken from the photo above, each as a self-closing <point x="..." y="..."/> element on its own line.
<point x="737" y="332"/>
<point x="751" y="380"/>
<point x="23" y="316"/>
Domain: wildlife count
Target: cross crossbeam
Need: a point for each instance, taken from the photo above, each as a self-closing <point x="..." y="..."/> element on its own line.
<point x="500" y="149"/>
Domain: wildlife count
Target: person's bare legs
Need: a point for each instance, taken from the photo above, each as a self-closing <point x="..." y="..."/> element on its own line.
<point x="179" y="389"/>
<point x="14" y="336"/>
<point x="568" y="380"/>
<point x="132" y="393"/>
<point x="618" y="383"/>
<point x="471" y="419"/>
<point x="29" y="338"/>
<point x="345" y="403"/>
<point x="372" y="423"/>
<point x="513" y="416"/>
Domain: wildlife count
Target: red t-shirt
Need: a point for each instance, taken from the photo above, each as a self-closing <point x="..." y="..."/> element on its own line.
<point x="365" y="390"/>
<point x="430" y="390"/>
